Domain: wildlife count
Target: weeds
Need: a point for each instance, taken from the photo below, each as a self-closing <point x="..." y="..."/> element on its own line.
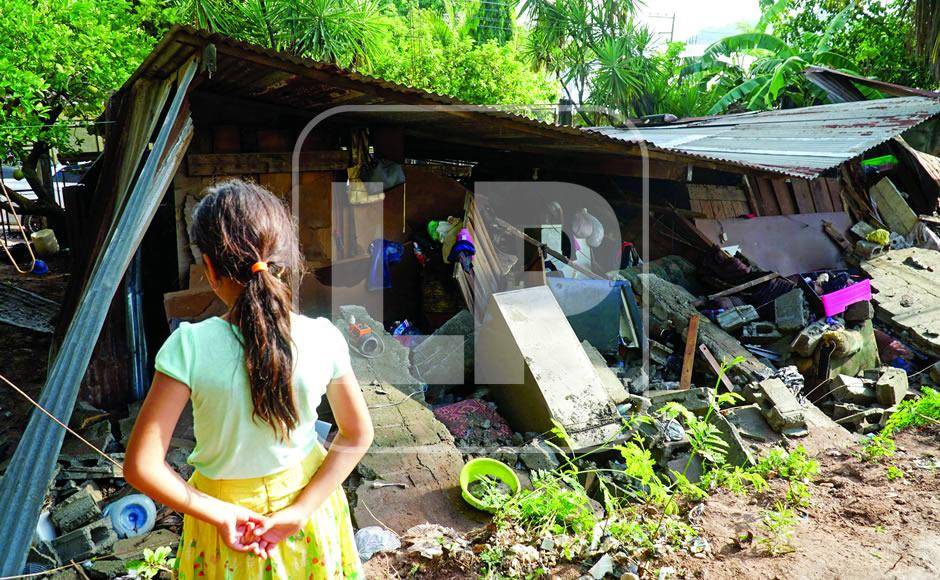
<point x="917" y="412"/>
<point x="154" y="562"/>
<point x="894" y="472"/>
<point x="778" y="525"/>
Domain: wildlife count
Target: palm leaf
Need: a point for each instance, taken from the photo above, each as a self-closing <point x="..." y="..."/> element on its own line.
<point x="834" y="60"/>
<point x="781" y="76"/>
<point x="748" y="41"/>
<point x="736" y="94"/>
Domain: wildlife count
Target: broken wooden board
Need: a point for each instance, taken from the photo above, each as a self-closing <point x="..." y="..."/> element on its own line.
<point x="892" y="207"/>
<point x="906" y="294"/>
<point x="27" y="309"/>
<point x="538" y="372"/>
<point x="411" y="446"/>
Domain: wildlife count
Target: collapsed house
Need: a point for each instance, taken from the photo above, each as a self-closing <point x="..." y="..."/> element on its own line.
<point x="707" y="240"/>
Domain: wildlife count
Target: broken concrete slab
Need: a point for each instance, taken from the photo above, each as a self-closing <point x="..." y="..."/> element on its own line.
<point x="538" y="456"/>
<point x="446" y="357"/>
<point x="791" y="311"/>
<point x="613" y="385"/>
<point x="411" y="446"/>
<point x="739" y="453"/>
<point x="780" y="406"/>
<point x="750" y="423"/>
<point x="93" y="539"/>
<point x="907" y="298"/>
<point x="538" y="377"/>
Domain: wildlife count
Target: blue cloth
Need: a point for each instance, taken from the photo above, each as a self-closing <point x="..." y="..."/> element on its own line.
<point x="384" y="253"/>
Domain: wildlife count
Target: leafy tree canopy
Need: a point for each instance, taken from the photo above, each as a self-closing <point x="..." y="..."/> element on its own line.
<point x="59" y="62"/>
<point x="878" y="36"/>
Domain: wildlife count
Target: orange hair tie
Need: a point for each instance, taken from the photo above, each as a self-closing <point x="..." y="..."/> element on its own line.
<point x="258" y="267"/>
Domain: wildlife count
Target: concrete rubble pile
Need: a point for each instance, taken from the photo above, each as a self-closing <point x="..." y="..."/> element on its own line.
<point x="91" y="515"/>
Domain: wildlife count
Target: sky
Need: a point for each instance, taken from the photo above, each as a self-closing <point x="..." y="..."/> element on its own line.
<point x="698" y="22"/>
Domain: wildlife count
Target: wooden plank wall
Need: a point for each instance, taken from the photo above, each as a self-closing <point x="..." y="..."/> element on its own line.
<point x="718" y="201"/>
<point x="785" y="196"/>
<point x="261" y="155"/>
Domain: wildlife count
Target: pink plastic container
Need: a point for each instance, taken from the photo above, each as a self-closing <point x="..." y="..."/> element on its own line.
<point x="836" y="302"/>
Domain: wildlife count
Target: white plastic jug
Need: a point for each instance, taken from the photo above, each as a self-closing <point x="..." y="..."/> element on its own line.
<point x="45" y="243"/>
<point x="132" y="515"/>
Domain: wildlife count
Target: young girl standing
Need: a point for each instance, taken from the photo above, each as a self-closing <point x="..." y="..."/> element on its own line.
<point x="265" y="500"/>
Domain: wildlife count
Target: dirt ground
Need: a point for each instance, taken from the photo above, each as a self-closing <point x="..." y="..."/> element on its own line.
<point x="23" y="352"/>
<point x="859" y="525"/>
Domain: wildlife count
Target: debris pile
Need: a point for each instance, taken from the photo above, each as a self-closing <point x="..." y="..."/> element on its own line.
<point x="92" y="516"/>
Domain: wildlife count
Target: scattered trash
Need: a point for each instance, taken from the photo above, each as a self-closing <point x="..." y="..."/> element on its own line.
<point x="374" y="539"/>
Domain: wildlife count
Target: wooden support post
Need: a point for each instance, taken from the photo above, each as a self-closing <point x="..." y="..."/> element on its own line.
<point x="688" y="358"/>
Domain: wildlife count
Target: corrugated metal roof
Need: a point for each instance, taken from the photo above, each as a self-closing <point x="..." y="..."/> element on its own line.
<point x="798" y="142"/>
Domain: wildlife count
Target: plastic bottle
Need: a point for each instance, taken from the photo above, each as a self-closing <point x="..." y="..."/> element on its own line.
<point x="132" y="515"/>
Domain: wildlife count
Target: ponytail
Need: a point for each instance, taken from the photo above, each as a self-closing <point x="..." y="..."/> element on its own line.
<point x="248" y="235"/>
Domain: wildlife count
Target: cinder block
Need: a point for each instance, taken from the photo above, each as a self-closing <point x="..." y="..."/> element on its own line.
<point x="94" y="539"/>
<point x="808" y="339"/>
<point x="790" y="311"/>
<point x="868" y="250"/>
<point x="75" y="511"/>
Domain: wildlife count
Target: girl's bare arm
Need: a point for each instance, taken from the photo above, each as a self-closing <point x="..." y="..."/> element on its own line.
<point x="146" y="469"/>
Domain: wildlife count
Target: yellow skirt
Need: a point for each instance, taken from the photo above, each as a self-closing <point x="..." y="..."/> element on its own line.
<point x="324" y="548"/>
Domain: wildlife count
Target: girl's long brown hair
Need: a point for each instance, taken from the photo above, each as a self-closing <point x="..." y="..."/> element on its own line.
<point x="236" y="225"/>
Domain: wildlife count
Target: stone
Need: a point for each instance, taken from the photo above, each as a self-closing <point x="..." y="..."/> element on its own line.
<point x="538" y="456"/>
<point x="859" y="312"/>
<point x="601" y="568"/>
<point x="636" y="380"/>
<point x="77" y="510"/>
<point x="891" y="386"/>
<point x="790" y="311"/>
<point x="92" y="540"/>
<point x="760" y="332"/>
<point x="688" y="464"/>
<point x="732" y="319"/>
<point x="506" y="455"/>
<point x="846" y="389"/>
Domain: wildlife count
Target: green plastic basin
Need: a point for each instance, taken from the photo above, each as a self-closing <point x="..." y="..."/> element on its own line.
<point x="481" y="467"/>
